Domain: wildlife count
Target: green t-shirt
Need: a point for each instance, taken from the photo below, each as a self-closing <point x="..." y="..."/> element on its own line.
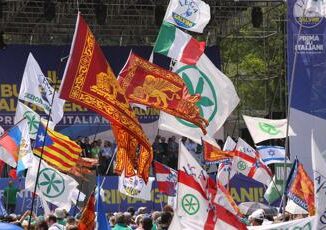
<point x="10" y="193"/>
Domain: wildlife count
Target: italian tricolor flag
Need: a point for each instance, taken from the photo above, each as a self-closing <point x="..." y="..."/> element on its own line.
<point x="178" y="45"/>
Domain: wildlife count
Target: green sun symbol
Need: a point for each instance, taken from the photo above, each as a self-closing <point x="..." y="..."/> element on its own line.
<point x="198" y="89"/>
<point x="51" y="183"/>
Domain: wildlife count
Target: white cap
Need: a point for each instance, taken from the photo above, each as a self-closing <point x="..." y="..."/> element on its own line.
<point x="259" y="214"/>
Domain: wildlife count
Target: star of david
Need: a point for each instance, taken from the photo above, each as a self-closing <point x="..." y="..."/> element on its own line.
<point x="271" y="152"/>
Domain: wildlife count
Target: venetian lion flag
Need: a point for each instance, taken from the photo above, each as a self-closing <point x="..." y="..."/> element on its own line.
<point x="178" y="45"/>
<point x="262" y="129"/>
<point x="148" y="84"/>
<point x="89" y="81"/>
<point x="58" y="150"/>
<point x="218" y="99"/>
<point x="213" y="154"/>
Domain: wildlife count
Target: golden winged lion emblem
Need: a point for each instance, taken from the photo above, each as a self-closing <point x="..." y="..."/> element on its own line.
<point x="156" y="88"/>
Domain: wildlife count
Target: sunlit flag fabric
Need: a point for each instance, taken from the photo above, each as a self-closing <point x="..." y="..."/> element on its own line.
<point x="178" y="45"/>
<point x="151" y="85"/>
<point x="262" y="129"/>
<point x="54" y="186"/>
<point x="251" y="167"/>
<point x="59" y="150"/>
<point x="135" y="186"/>
<point x="213" y="154"/>
<point x="190" y="15"/>
<point x="218" y="99"/>
<point x="318" y="164"/>
<point x="225" y="172"/>
<point x="300" y="188"/>
<point x="36" y="89"/>
<point x="89" y="81"/>
<point x="15" y="145"/>
<point x="25" y="155"/>
<point x="101" y="219"/>
<point x="271" y="154"/>
<point x="87" y="219"/>
<point x="166" y="178"/>
<point x="196" y="192"/>
<point x="33" y="119"/>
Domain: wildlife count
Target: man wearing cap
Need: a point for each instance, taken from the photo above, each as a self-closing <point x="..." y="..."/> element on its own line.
<point x="257" y="217"/>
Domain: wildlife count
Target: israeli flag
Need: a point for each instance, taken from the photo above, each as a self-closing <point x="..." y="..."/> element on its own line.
<point x="272" y="154"/>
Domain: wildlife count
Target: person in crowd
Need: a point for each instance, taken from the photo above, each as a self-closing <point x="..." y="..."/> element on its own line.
<point x="86" y="148"/>
<point x="220" y="143"/>
<point x="120" y="223"/>
<point x="105" y="157"/>
<point x="164" y="221"/>
<point x="10" y="197"/>
<point x="95" y="150"/>
<point x="138" y="221"/>
<point x="257" y="217"/>
<point x="131" y="210"/>
<point x="42" y="225"/>
<point x="156" y="148"/>
<point x="147" y="223"/>
<point x="173" y="148"/>
<point x="163" y="150"/>
<point x="60" y="214"/>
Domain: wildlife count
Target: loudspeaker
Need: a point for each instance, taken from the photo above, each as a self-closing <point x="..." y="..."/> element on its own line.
<point x="49" y="10"/>
<point x="256" y="17"/>
<point x="159" y="15"/>
<point x="101" y="13"/>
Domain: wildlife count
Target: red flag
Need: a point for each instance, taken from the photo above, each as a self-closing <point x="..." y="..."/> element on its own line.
<point x="87" y="219"/>
<point x="89" y="81"/>
<point x="166" y="178"/>
<point x="301" y="190"/>
<point x="148" y="84"/>
<point x="213" y="154"/>
<point x="13" y="174"/>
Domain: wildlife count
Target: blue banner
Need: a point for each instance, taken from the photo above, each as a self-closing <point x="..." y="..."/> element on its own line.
<point x="307" y="64"/>
<point x="52" y="60"/>
<point x="242" y="189"/>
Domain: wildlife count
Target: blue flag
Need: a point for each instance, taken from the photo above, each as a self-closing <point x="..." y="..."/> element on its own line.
<point x="102" y="220"/>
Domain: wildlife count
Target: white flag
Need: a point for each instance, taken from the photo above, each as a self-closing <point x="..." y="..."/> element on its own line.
<point x="36" y="89"/>
<point x="225" y="172"/>
<point x="55" y="187"/>
<point x="25" y="155"/>
<point x="33" y="119"/>
<point x="244" y="147"/>
<point x="272" y="154"/>
<point x="135" y="187"/>
<point x="191" y="15"/>
<point x="218" y="99"/>
<point x="1" y="131"/>
<point x="315" y="8"/>
<point x="262" y="129"/>
<point x="318" y="164"/>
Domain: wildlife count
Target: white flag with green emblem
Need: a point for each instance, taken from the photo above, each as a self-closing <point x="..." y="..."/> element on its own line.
<point x="55" y="187"/>
<point x="36" y="89"/>
<point x="262" y="129"/>
<point x="218" y="99"/>
<point x="33" y="119"/>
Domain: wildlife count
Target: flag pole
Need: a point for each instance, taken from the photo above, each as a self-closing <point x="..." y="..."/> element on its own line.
<point x="42" y="150"/>
<point x="288" y="117"/>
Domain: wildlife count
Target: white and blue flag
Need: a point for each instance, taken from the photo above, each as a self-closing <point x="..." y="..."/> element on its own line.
<point x="271" y="154"/>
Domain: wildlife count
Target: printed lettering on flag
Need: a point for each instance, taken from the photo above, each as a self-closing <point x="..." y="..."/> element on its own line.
<point x="192" y="15"/>
<point x="166" y="178"/>
<point x="36" y="89"/>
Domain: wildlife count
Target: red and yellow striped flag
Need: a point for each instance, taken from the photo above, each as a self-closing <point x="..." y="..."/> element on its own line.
<point x="59" y="150"/>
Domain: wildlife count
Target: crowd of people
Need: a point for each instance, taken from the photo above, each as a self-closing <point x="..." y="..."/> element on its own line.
<point x="139" y="219"/>
<point x="165" y="151"/>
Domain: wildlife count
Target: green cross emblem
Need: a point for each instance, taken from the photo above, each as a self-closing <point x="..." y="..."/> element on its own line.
<point x="50" y="183"/>
<point x="198" y="83"/>
<point x="190" y="204"/>
<point x="268" y="128"/>
<point x="32" y="121"/>
<point x="242" y="165"/>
